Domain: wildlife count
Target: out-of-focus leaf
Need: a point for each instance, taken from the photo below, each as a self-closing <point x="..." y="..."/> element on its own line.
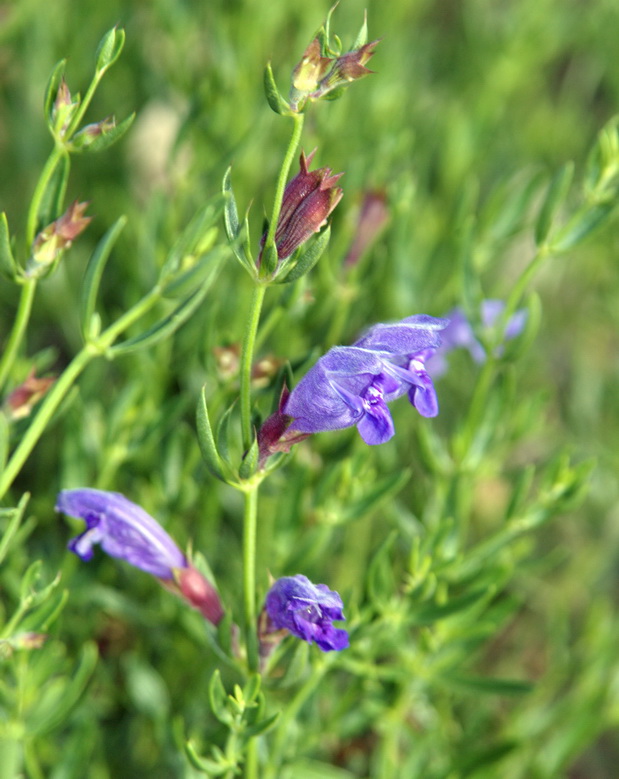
<point x="109" y="49"/>
<point x="93" y="274"/>
<point x="8" y="265"/>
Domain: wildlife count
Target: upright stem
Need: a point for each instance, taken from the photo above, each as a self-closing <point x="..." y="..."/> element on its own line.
<point x="20" y="324"/>
<point x="249" y="574"/>
<point x="247" y="356"/>
<point x="39" y="191"/>
<point x="293" y="144"/>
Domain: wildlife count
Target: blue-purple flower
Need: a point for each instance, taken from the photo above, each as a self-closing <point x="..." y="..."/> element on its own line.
<point x="351" y="385"/>
<point x="459" y="334"/>
<point x="124" y="530"/>
<point x="307" y="610"/>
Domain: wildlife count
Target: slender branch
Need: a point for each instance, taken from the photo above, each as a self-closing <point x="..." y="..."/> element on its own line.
<point x="247" y="356"/>
<point x="20" y="324"/>
<point x="283" y="175"/>
<point x="249" y="575"/>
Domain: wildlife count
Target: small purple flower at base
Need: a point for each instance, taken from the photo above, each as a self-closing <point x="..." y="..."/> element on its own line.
<point x="309" y="199"/>
<point x="459" y="334"/>
<point x="351" y="385"/>
<point x="124" y="530"/>
<point x="307" y="610"/>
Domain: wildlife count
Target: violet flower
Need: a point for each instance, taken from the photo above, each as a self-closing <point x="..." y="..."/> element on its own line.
<point x="126" y="531"/>
<point x="459" y="334"/>
<point x="307" y="610"/>
<point x="309" y="199"/>
<point x="351" y="385"/>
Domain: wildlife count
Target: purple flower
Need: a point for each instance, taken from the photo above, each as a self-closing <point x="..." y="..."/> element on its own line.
<point x="308" y="200"/>
<point x="307" y="610"/>
<point x="351" y="385"/>
<point x="459" y="334"/>
<point x="125" y="530"/>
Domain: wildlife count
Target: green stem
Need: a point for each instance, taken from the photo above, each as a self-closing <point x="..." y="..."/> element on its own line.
<point x="249" y="574"/>
<point x="20" y="324"/>
<point x="251" y="759"/>
<point x="39" y="192"/>
<point x="488" y="372"/>
<point x="272" y="769"/>
<point x="298" y="120"/>
<point x="247" y="357"/>
<point x="64" y="383"/>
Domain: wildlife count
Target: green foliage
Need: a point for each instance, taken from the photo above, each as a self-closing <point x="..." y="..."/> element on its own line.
<point x="475" y="553"/>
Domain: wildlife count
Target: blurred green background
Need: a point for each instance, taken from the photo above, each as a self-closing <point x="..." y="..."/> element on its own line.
<point x="471" y="100"/>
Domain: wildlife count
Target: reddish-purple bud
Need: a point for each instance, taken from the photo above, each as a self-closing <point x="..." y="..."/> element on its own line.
<point x="273" y="435"/>
<point x="373" y="218"/>
<point x="347" y="68"/>
<point x="198" y="592"/>
<point x="309" y="199"/>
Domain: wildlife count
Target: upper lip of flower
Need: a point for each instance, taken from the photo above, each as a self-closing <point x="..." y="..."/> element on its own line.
<point x="123" y="529"/>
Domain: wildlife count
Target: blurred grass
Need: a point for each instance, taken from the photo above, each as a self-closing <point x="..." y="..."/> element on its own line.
<point x="468" y="96"/>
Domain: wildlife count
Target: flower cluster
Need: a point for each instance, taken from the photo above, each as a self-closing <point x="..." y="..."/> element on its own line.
<point x="124" y="530"/>
<point x="459" y="334"/>
<point x="56" y="238"/>
<point x="307" y="610"/>
<point x="351" y="385"/>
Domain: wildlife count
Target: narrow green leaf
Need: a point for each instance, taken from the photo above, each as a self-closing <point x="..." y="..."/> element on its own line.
<point x="581" y="226"/>
<point x="258" y="728"/>
<point x="269" y="260"/>
<point x="52" y="201"/>
<point x="58" y="707"/>
<point x="204" y="764"/>
<point x="308" y="259"/>
<point x="218" y="698"/>
<point x="165" y="327"/>
<point x="489" y="685"/>
<point x="46" y="614"/>
<point x="274" y="99"/>
<point x="250" y="461"/>
<point x="8" y="266"/>
<point x="222" y="434"/>
<point x="51" y="90"/>
<point x="362" y="35"/>
<point x="380" y="581"/>
<point x="93" y="274"/>
<point x="427" y="614"/>
<point x="82" y="142"/>
<point x="384" y="489"/>
<point x="205" y="439"/>
<point x="197" y="272"/>
<point x="231" y="214"/>
<point x="15" y="516"/>
<point x="252" y="688"/>
<point x="196" y="238"/>
<point x="109" y="49"/>
<point x="555" y="197"/>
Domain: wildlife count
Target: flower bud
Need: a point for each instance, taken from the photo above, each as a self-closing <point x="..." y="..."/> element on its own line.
<point x="19" y="403"/>
<point x="309" y="199"/>
<point x="198" y="592"/>
<point x="54" y="239"/>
